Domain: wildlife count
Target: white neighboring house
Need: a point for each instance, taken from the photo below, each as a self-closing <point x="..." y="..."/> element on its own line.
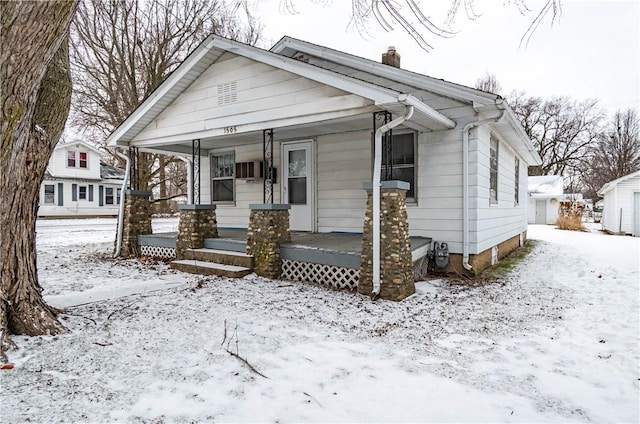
<point x="621" y="205"/>
<point x="78" y="184"/>
<point x="462" y="151"/>
<point x="545" y="194"/>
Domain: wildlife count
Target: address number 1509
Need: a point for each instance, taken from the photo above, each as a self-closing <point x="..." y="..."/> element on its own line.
<point x="230" y="130"/>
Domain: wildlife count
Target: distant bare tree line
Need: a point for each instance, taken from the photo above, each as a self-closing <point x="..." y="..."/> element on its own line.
<point x="575" y="139"/>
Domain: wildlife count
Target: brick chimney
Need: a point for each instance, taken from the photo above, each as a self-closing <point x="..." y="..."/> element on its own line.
<point x="391" y="57"/>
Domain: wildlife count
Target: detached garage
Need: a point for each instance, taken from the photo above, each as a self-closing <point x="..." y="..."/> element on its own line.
<point x="545" y="193"/>
<point x="621" y="210"/>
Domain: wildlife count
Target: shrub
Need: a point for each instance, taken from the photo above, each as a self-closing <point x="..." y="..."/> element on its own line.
<point x="570" y="222"/>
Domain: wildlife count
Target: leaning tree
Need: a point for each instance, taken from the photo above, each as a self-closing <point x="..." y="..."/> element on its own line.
<point x="36" y="92"/>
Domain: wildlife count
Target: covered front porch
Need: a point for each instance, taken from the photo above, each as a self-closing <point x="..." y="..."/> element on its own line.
<point x="330" y="259"/>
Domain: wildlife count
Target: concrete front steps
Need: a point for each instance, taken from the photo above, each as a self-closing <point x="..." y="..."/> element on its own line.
<point x="223" y="263"/>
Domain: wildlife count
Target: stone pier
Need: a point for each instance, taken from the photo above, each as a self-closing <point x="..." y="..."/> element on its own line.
<point x="396" y="267"/>
<point x="136" y="221"/>
<point x="197" y="222"/>
<point x="268" y="228"/>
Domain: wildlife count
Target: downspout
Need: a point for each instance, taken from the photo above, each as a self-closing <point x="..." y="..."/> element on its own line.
<point x="189" y="180"/>
<point x="377" y="167"/>
<point x="121" y="206"/>
<point x="465" y="180"/>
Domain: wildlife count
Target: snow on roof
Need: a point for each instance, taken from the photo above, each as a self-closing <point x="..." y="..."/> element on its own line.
<point x="545" y="185"/>
<point x="611" y="184"/>
<point x="109" y="172"/>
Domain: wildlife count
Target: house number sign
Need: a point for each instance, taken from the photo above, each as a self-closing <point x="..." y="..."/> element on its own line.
<point x="230" y="130"/>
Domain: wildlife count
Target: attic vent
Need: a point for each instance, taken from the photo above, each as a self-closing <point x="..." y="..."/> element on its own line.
<point x="227" y="93"/>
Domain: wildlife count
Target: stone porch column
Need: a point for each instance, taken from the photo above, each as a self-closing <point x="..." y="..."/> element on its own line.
<point x="136" y="221"/>
<point x="197" y="222"/>
<point x="396" y="267"/>
<point x="268" y="228"/>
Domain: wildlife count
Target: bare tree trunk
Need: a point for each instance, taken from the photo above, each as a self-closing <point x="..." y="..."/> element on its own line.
<point x="36" y="93"/>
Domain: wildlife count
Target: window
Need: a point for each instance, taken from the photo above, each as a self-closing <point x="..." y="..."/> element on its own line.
<point x="493" y="171"/>
<point x="49" y="193"/>
<point x="403" y="161"/>
<point x="222" y="166"/>
<point x="82" y="193"/>
<point x="118" y="195"/>
<point x="83" y="159"/>
<point x="71" y="158"/>
<point x="76" y="159"/>
<point x="108" y="195"/>
<point x="517" y="183"/>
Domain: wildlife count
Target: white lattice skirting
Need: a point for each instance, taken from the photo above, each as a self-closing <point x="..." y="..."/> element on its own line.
<point x="158" y="252"/>
<point x="329" y="275"/>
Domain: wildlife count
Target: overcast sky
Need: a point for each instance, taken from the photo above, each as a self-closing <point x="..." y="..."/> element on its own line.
<point x="591" y="51"/>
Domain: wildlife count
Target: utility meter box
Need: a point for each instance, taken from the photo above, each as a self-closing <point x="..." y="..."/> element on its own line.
<point x="441" y="255"/>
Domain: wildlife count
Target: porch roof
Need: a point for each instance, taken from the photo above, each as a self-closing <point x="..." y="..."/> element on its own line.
<point x="212" y="49"/>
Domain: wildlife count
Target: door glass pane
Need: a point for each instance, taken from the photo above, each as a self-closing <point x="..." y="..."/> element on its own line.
<point x="298" y="191"/>
<point x="297" y="163"/>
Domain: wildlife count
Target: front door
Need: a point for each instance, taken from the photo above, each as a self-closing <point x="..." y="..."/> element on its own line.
<point x="298" y="185"/>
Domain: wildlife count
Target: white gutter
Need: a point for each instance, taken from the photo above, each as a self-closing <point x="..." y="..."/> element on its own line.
<point x="465" y="181"/>
<point x="121" y="206"/>
<point x="377" y="167"/>
<point x="189" y="180"/>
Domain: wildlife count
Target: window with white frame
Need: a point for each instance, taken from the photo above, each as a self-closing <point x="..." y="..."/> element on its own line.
<point x="403" y="161"/>
<point x="493" y="171"/>
<point x="108" y="195"/>
<point x="49" y="193"/>
<point x="76" y="159"/>
<point x="118" y="195"/>
<point x="517" y="182"/>
<point x="222" y="166"/>
<point x="82" y="192"/>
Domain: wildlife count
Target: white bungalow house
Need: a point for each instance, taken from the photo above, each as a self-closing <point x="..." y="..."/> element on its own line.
<point x="310" y="113"/>
<point x="78" y="184"/>
<point x="545" y="194"/>
<point x="621" y="205"/>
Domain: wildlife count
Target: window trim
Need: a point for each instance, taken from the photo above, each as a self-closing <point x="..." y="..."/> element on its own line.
<point x="494" y="173"/>
<point x="53" y="194"/>
<point x="106" y="196"/>
<point x="74" y="159"/>
<point x="516" y="187"/>
<point x="82" y="189"/>
<point x="232" y="177"/>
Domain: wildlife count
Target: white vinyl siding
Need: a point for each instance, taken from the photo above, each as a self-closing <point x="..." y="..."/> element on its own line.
<point x="493" y="224"/>
<point x="343" y="165"/>
<point x="262" y="93"/>
<point x="618" y="213"/>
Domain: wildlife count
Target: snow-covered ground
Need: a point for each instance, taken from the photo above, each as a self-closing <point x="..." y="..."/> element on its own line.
<point x="555" y="341"/>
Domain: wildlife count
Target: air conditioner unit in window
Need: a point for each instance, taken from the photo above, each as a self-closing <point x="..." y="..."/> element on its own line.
<point x="252" y="170"/>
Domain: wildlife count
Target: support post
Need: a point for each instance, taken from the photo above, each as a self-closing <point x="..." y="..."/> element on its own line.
<point x="197" y="223"/>
<point x="136" y="222"/>
<point x="268" y="229"/>
<point x="195" y="178"/>
<point x="267" y="166"/>
<point x="396" y="266"/>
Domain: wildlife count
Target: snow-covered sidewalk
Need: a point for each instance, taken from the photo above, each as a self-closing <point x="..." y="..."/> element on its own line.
<point x="556" y="341"/>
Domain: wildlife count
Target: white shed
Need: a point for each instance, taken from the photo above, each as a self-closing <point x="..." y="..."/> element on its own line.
<point x="621" y="212"/>
<point x="545" y="193"/>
